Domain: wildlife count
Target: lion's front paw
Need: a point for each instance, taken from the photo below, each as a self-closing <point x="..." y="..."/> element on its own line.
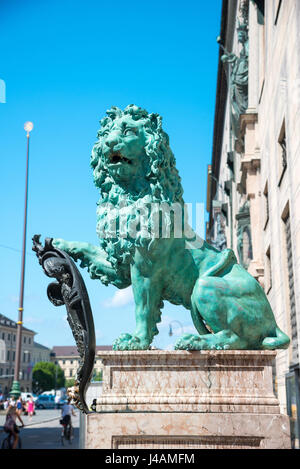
<point x="71" y="248"/>
<point x="59" y="243"/>
<point x="127" y="342"/>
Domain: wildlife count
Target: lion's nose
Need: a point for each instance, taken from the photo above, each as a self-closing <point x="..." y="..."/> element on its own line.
<point x="112" y="140"/>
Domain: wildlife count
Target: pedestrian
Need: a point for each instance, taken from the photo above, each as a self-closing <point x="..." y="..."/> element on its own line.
<point x="56" y="400"/>
<point x="19" y="406"/>
<point x="12" y="401"/>
<point x="1" y="400"/>
<point x="67" y="411"/>
<point x="30" y="407"/>
<point x="6" y="404"/>
<point x="10" y="425"/>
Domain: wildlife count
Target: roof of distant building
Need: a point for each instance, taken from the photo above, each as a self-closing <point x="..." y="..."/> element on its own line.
<point x="71" y="350"/>
<point x="7" y="322"/>
<point x="37" y="345"/>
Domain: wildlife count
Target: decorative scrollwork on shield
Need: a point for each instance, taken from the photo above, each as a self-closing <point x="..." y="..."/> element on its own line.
<point x="70" y="290"/>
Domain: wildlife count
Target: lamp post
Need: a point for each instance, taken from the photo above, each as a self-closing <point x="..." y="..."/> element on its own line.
<point x="170" y="327"/>
<point x="16" y="390"/>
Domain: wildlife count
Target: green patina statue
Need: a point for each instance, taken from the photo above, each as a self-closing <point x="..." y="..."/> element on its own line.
<point x="238" y="78"/>
<point x="134" y="168"/>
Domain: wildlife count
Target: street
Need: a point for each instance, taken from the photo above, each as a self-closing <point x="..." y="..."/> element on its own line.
<point x="43" y="430"/>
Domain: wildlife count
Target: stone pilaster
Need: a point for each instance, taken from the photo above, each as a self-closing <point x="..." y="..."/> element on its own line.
<point x="251" y="187"/>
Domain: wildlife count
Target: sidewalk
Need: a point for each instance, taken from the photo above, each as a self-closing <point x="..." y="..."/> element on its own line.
<point x="43" y="431"/>
<point x="41" y="416"/>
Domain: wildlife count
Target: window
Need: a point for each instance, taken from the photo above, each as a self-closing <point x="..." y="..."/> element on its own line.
<point x="8" y="336"/>
<point x="293" y="405"/>
<point x="268" y="271"/>
<point x="24" y="340"/>
<point x="260" y="5"/>
<point x="2" y="351"/>
<point x="290" y="283"/>
<point x="29" y="340"/>
<point x="262" y="46"/>
<point x="14" y="337"/>
<point x="266" y="200"/>
<point x="71" y="372"/>
<point x="282" y="160"/>
<point x="13" y="355"/>
<point x="7" y="355"/>
<point x="3" y="335"/>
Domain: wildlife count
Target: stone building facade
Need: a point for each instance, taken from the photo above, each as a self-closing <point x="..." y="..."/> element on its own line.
<point x="67" y="357"/>
<point x="253" y="195"/>
<point x="41" y="353"/>
<point x="8" y="335"/>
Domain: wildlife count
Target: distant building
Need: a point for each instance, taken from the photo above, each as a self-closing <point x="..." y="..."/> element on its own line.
<point x="41" y="353"/>
<point x="8" y="337"/>
<point x="253" y="195"/>
<point x="67" y="357"/>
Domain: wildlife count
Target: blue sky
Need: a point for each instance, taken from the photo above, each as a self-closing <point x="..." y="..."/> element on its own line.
<point x="64" y="64"/>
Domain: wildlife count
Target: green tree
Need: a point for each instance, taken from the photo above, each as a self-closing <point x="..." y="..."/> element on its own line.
<point x="70" y="382"/>
<point x="47" y="376"/>
<point x="97" y="376"/>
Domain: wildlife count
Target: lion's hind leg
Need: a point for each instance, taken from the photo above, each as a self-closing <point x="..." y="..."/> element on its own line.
<point x="280" y="341"/>
<point x="210" y="308"/>
<point x="223" y="340"/>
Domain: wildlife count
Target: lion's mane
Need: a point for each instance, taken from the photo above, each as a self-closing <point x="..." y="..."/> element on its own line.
<point x="161" y="183"/>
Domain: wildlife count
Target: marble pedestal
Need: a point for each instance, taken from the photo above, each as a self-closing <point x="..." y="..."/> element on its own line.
<point x="192" y="400"/>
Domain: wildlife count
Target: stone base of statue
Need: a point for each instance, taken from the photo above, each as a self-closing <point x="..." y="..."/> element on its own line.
<point x="187" y="400"/>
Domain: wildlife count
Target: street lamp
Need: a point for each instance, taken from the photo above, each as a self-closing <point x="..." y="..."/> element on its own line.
<point x="16" y="390"/>
<point x="170" y="327"/>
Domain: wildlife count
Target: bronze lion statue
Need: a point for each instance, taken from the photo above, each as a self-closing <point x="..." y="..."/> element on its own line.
<point x="135" y="170"/>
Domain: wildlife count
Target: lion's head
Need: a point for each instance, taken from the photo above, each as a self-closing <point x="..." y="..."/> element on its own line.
<point x="131" y="160"/>
<point x="132" y="156"/>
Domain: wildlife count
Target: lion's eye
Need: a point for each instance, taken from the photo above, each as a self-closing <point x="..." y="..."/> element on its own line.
<point x="130" y="131"/>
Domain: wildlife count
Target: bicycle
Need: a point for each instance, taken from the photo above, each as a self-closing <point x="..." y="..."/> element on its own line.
<point x="8" y="441"/>
<point x="67" y="432"/>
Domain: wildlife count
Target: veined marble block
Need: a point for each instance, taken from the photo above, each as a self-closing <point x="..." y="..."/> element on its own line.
<point x="179" y="399"/>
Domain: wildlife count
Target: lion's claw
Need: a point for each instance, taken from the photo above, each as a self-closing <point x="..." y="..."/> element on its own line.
<point x="127" y="342"/>
<point x="194" y="342"/>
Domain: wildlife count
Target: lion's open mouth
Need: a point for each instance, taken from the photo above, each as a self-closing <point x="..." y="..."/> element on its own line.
<point x="117" y="157"/>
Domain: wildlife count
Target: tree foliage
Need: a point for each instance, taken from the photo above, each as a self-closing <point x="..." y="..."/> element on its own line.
<point x="47" y="376"/>
<point x="70" y="382"/>
<point x="97" y="376"/>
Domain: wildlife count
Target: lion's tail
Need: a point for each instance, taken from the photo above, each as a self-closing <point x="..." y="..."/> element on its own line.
<point x="281" y="340"/>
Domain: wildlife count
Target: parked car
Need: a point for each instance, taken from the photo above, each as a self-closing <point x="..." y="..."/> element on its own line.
<point x="45" y="402"/>
<point x="61" y="402"/>
<point x="25" y="396"/>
